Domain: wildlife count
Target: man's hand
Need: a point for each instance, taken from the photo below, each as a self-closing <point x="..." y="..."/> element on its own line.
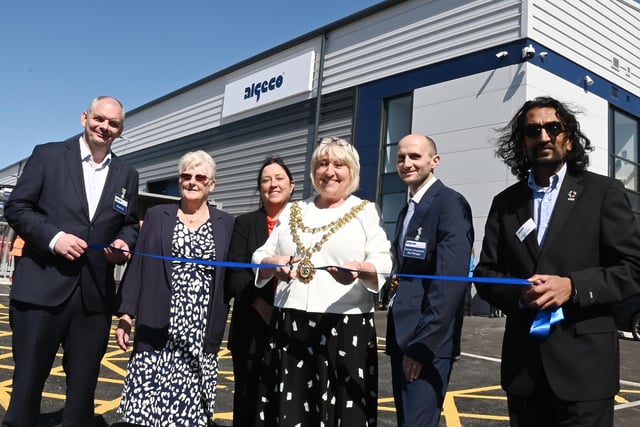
<point x="547" y="291"/>
<point x="411" y="368"/>
<point x="116" y="256"/>
<point x="70" y="247"/>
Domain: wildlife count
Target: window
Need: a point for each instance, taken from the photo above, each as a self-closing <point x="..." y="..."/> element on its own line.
<point x="168" y="187"/>
<point x="393" y="192"/>
<point x="623" y="154"/>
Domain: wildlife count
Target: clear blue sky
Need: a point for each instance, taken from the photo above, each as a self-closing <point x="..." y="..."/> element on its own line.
<point x="57" y="55"/>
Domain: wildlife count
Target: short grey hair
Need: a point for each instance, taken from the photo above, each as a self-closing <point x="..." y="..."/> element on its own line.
<point x="198" y="158"/>
<point x="93" y="103"/>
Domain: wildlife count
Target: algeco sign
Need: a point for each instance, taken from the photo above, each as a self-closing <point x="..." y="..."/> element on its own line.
<point x="287" y="79"/>
<point x="257" y="88"/>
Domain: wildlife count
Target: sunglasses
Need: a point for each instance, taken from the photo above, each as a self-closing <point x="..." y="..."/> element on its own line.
<point x="552" y="129"/>
<point x="199" y="178"/>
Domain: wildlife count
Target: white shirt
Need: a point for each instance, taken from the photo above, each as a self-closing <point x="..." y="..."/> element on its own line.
<point x="95" y="175"/>
<point x="361" y="239"/>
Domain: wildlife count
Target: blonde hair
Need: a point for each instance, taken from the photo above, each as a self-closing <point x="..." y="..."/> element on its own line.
<point x="337" y="149"/>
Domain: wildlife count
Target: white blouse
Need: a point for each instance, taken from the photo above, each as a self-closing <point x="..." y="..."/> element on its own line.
<point x="362" y="240"/>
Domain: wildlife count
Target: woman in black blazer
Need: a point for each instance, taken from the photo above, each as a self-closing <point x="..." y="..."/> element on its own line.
<point x="178" y="307"/>
<point x="249" y="331"/>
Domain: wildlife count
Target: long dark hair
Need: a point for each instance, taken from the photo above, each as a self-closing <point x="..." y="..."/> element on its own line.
<point x="511" y="139"/>
<point x="269" y="161"/>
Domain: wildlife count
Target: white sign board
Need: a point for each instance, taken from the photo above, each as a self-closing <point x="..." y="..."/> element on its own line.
<point x="287" y="79"/>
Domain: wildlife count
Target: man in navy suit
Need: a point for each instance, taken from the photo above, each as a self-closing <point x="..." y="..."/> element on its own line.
<point x="70" y="194"/>
<point x="573" y="236"/>
<point x="434" y="237"/>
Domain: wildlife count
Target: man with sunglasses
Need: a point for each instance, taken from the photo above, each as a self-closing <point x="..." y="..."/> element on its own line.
<point x="70" y="194"/>
<point x="572" y="235"/>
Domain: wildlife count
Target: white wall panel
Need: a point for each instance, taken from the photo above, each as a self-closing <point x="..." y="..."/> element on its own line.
<point x="592" y="112"/>
<point x="591" y="33"/>
<point x="463" y="117"/>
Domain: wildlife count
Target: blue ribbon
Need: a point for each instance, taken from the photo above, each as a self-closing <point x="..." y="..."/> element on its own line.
<point x="188" y="260"/>
<point x="540" y="328"/>
<point x="498" y="280"/>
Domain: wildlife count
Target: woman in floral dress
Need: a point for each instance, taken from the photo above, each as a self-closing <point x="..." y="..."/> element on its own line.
<point x="178" y="306"/>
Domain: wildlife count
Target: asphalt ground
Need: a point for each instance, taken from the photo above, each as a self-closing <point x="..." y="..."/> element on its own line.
<point x="475" y="398"/>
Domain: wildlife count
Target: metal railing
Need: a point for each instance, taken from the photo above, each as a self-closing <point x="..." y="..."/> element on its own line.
<point x="6" y="259"/>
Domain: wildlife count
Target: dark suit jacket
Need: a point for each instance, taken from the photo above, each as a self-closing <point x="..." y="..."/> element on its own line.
<point x="425" y="312"/>
<point x="249" y="233"/>
<point x="145" y="291"/>
<point x="592" y="238"/>
<point x="50" y="197"/>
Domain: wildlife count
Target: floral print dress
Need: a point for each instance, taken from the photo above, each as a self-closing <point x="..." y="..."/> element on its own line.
<point x="176" y="385"/>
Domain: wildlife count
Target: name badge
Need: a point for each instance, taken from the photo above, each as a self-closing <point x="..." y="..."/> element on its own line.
<point x="526" y="229"/>
<point x="414" y="249"/>
<point x="120" y="205"/>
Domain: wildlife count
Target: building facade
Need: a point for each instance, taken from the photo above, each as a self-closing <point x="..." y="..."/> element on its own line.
<point x="455" y="70"/>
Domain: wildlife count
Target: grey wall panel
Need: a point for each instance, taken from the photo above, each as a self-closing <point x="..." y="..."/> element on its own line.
<point x="414" y="34"/>
<point x="199" y="107"/>
<point x="239" y="149"/>
<point x="336" y="114"/>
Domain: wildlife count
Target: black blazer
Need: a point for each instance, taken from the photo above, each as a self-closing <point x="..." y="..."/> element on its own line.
<point x="249" y="233"/>
<point x="592" y="238"/>
<point x="145" y="291"/>
<point x="426" y="313"/>
<point x="50" y="197"/>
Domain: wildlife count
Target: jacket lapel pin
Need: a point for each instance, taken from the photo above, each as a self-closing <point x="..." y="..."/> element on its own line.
<point x="571" y="196"/>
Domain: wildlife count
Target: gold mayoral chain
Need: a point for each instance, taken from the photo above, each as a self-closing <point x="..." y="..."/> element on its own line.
<point x="306" y="269"/>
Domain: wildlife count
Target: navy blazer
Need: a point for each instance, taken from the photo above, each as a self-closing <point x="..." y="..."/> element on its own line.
<point x="50" y="197"/>
<point x="145" y="291"/>
<point x="426" y="312"/>
<point x="592" y="238"/>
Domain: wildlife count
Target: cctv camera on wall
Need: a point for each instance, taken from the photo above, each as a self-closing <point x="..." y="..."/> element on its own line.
<point x="528" y="52"/>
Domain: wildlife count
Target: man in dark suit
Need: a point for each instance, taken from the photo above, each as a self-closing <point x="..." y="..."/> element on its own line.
<point x="70" y="194"/>
<point x="573" y="236"/>
<point x="425" y="315"/>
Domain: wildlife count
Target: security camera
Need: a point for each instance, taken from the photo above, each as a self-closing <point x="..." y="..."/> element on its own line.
<point x="528" y="52"/>
<point x="588" y="80"/>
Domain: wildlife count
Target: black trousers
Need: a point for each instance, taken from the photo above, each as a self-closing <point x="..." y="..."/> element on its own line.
<point x="544" y="408"/>
<point x="38" y="333"/>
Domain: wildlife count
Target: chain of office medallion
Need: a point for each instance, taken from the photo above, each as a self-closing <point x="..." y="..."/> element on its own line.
<point x="296" y="224"/>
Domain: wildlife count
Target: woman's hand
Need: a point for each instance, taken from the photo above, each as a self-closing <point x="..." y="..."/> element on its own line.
<point x="285" y="273"/>
<point x="346" y="274"/>
<point x="123" y="332"/>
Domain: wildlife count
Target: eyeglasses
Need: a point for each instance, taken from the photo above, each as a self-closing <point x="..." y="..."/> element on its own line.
<point x="188" y="176"/>
<point x="552" y="129"/>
